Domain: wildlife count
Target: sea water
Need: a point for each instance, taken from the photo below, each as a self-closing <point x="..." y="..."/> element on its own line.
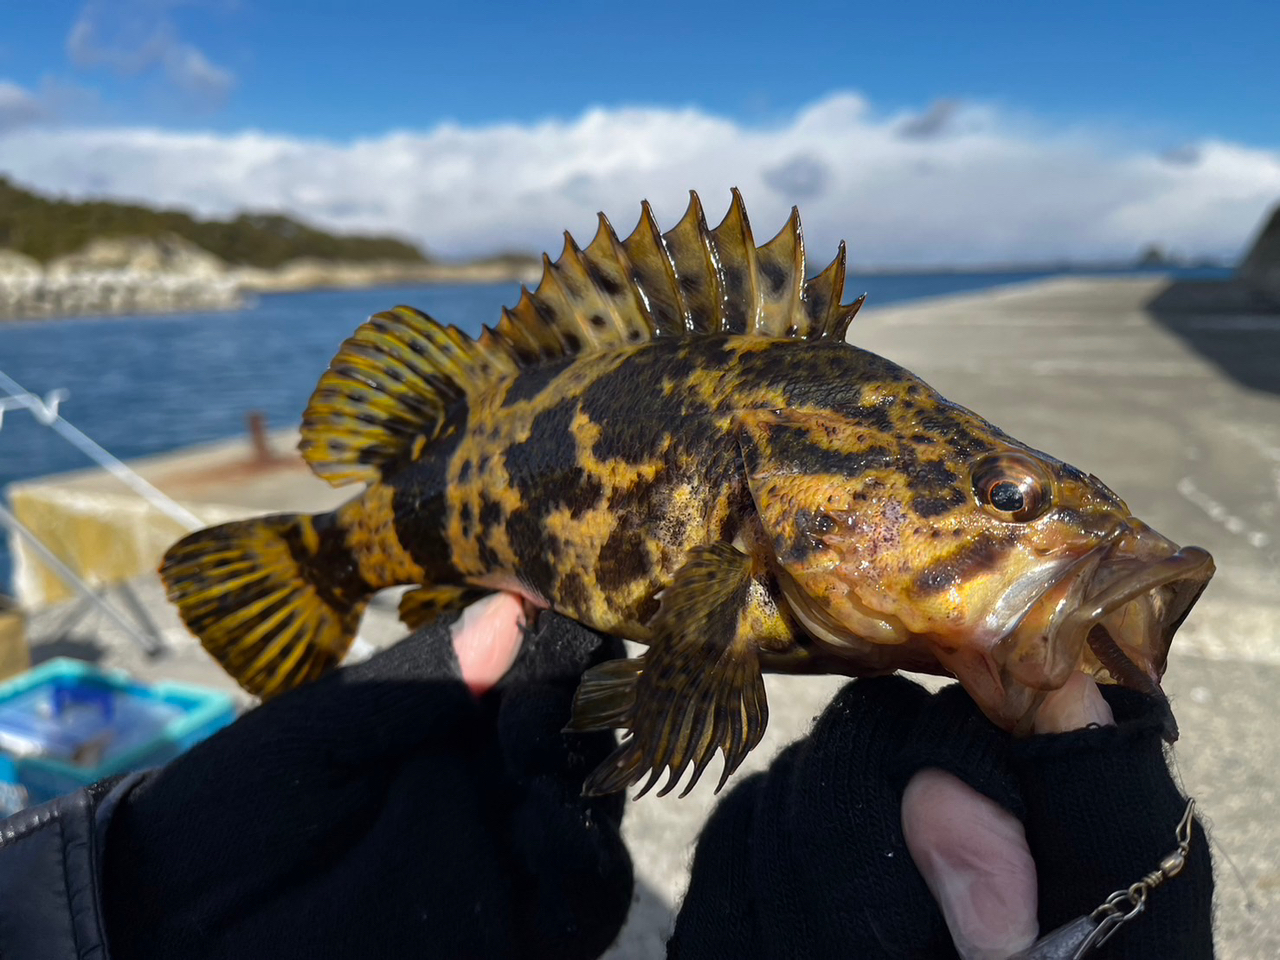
<point x="145" y="385"/>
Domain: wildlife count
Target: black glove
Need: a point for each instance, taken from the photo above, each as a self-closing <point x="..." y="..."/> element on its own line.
<point x="382" y="812"/>
<point x="808" y="859"/>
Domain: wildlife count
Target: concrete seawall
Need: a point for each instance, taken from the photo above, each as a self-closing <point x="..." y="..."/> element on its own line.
<point x="1175" y="407"/>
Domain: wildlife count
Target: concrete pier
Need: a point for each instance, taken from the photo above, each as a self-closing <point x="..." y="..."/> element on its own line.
<point x="1175" y="402"/>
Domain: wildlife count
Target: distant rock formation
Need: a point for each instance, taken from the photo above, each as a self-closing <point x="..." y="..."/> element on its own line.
<point x="113" y="275"/>
<point x="117" y="275"/>
<point x="1260" y="269"/>
<point x="165" y="254"/>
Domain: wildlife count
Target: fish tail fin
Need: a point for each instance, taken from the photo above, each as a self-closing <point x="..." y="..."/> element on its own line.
<point x="256" y="594"/>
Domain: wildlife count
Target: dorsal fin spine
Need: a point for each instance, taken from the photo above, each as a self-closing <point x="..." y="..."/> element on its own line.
<point x="648" y="254"/>
<point x="780" y="265"/>
<point x="697" y="270"/>
<point x="840" y="330"/>
<point x="822" y="295"/>
<point x="608" y="239"/>
<point x="736" y="254"/>
<point x="578" y="276"/>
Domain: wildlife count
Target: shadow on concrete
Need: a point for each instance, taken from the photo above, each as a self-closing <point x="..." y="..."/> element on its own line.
<point x="1231" y="325"/>
<point x="68" y="646"/>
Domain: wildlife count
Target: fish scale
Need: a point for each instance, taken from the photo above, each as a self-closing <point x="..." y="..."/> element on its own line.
<point x="671" y="441"/>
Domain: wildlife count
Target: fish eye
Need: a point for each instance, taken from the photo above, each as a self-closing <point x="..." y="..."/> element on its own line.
<point x="1012" y="486"/>
<point x="1006" y="497"/>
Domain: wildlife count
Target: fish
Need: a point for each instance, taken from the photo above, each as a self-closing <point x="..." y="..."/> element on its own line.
<point x="672" y="441"/>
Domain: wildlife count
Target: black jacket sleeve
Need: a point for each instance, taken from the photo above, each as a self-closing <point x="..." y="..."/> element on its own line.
<point x="50" y="870"/>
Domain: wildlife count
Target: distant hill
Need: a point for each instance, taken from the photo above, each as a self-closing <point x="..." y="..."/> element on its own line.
<point x="44" y="228"/>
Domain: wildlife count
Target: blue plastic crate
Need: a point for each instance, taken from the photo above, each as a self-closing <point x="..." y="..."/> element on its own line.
<point x="66" y="724"/>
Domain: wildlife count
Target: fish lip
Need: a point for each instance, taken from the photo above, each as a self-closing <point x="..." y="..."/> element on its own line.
<point x="1115" y="609"/>
<point x="1176" y="580"/>
<point x="1136" y="656"/>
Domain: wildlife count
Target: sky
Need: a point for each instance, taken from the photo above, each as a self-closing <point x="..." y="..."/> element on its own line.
<point x="927" y="133"/>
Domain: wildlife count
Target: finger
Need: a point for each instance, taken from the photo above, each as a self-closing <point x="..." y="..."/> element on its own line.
<point x="973" y="855"/>
<point x="486" y="638"/>
<point x="1077" y="704"/>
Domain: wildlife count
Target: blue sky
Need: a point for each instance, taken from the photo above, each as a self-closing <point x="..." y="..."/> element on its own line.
<point x="1130" y="85"/>
<point x="319" y="68"/>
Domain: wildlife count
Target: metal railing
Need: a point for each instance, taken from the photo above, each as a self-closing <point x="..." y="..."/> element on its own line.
<point x="46" y="413"/>
<point x="13" y="396"/>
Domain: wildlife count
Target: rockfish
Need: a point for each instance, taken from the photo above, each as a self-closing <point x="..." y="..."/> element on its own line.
<point x="671" y="441"/>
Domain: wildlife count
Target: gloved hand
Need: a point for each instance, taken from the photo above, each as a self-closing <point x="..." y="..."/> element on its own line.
<point x="385" y="811"/>
<point x="809" y="859"/>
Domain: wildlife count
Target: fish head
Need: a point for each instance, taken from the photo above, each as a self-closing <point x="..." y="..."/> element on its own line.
<point x="959" y="550"/>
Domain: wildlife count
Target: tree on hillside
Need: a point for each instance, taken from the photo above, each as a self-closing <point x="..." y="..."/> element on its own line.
<point x="46" y="227"/>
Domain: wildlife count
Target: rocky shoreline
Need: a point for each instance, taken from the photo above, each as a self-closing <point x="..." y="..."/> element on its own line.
<point x="169" y="273"/>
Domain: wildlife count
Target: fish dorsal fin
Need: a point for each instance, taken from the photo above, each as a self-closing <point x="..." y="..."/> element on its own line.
<point x="392" y="384"/>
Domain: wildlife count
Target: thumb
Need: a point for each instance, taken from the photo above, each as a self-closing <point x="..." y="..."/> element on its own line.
<point x="974" y="858"/>
<point x="973" y="853"/>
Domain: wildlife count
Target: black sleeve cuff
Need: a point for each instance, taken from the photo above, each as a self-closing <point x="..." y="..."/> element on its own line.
<point x="1101" y="813"/>
<point x="50" y="873"/>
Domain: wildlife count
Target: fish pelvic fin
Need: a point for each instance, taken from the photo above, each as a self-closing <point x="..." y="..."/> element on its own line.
<point x="698" y="690"/>
<point x="257" y="594"/>
<point x="424" y="605"/>
<point x="390" y="389"/>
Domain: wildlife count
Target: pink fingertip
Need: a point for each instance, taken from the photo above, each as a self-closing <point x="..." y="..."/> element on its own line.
<point x="487" y="638"/>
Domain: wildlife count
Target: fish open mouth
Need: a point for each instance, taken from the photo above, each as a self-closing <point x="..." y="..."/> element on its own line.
<point x="1130" y="621"/>
<point x="1113" y="615"/>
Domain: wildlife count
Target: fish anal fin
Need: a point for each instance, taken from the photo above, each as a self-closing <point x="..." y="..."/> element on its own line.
<point x="696" y="691"/>
<point x="423" y="605"/>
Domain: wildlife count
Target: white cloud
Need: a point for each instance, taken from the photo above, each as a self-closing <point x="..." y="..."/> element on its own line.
<point x="195" y="73"/>
<point x="132" y="37"/>
<point x="981" y="186"/>
<point x="18" y="106"/>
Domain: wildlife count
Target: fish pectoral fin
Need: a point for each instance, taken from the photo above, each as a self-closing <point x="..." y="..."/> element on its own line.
<point x="697" y="690"/>
<point x="423" y="605"/>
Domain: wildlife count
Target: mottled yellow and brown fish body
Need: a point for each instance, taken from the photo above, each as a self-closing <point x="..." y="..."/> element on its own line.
<point x="671" y="441"/>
